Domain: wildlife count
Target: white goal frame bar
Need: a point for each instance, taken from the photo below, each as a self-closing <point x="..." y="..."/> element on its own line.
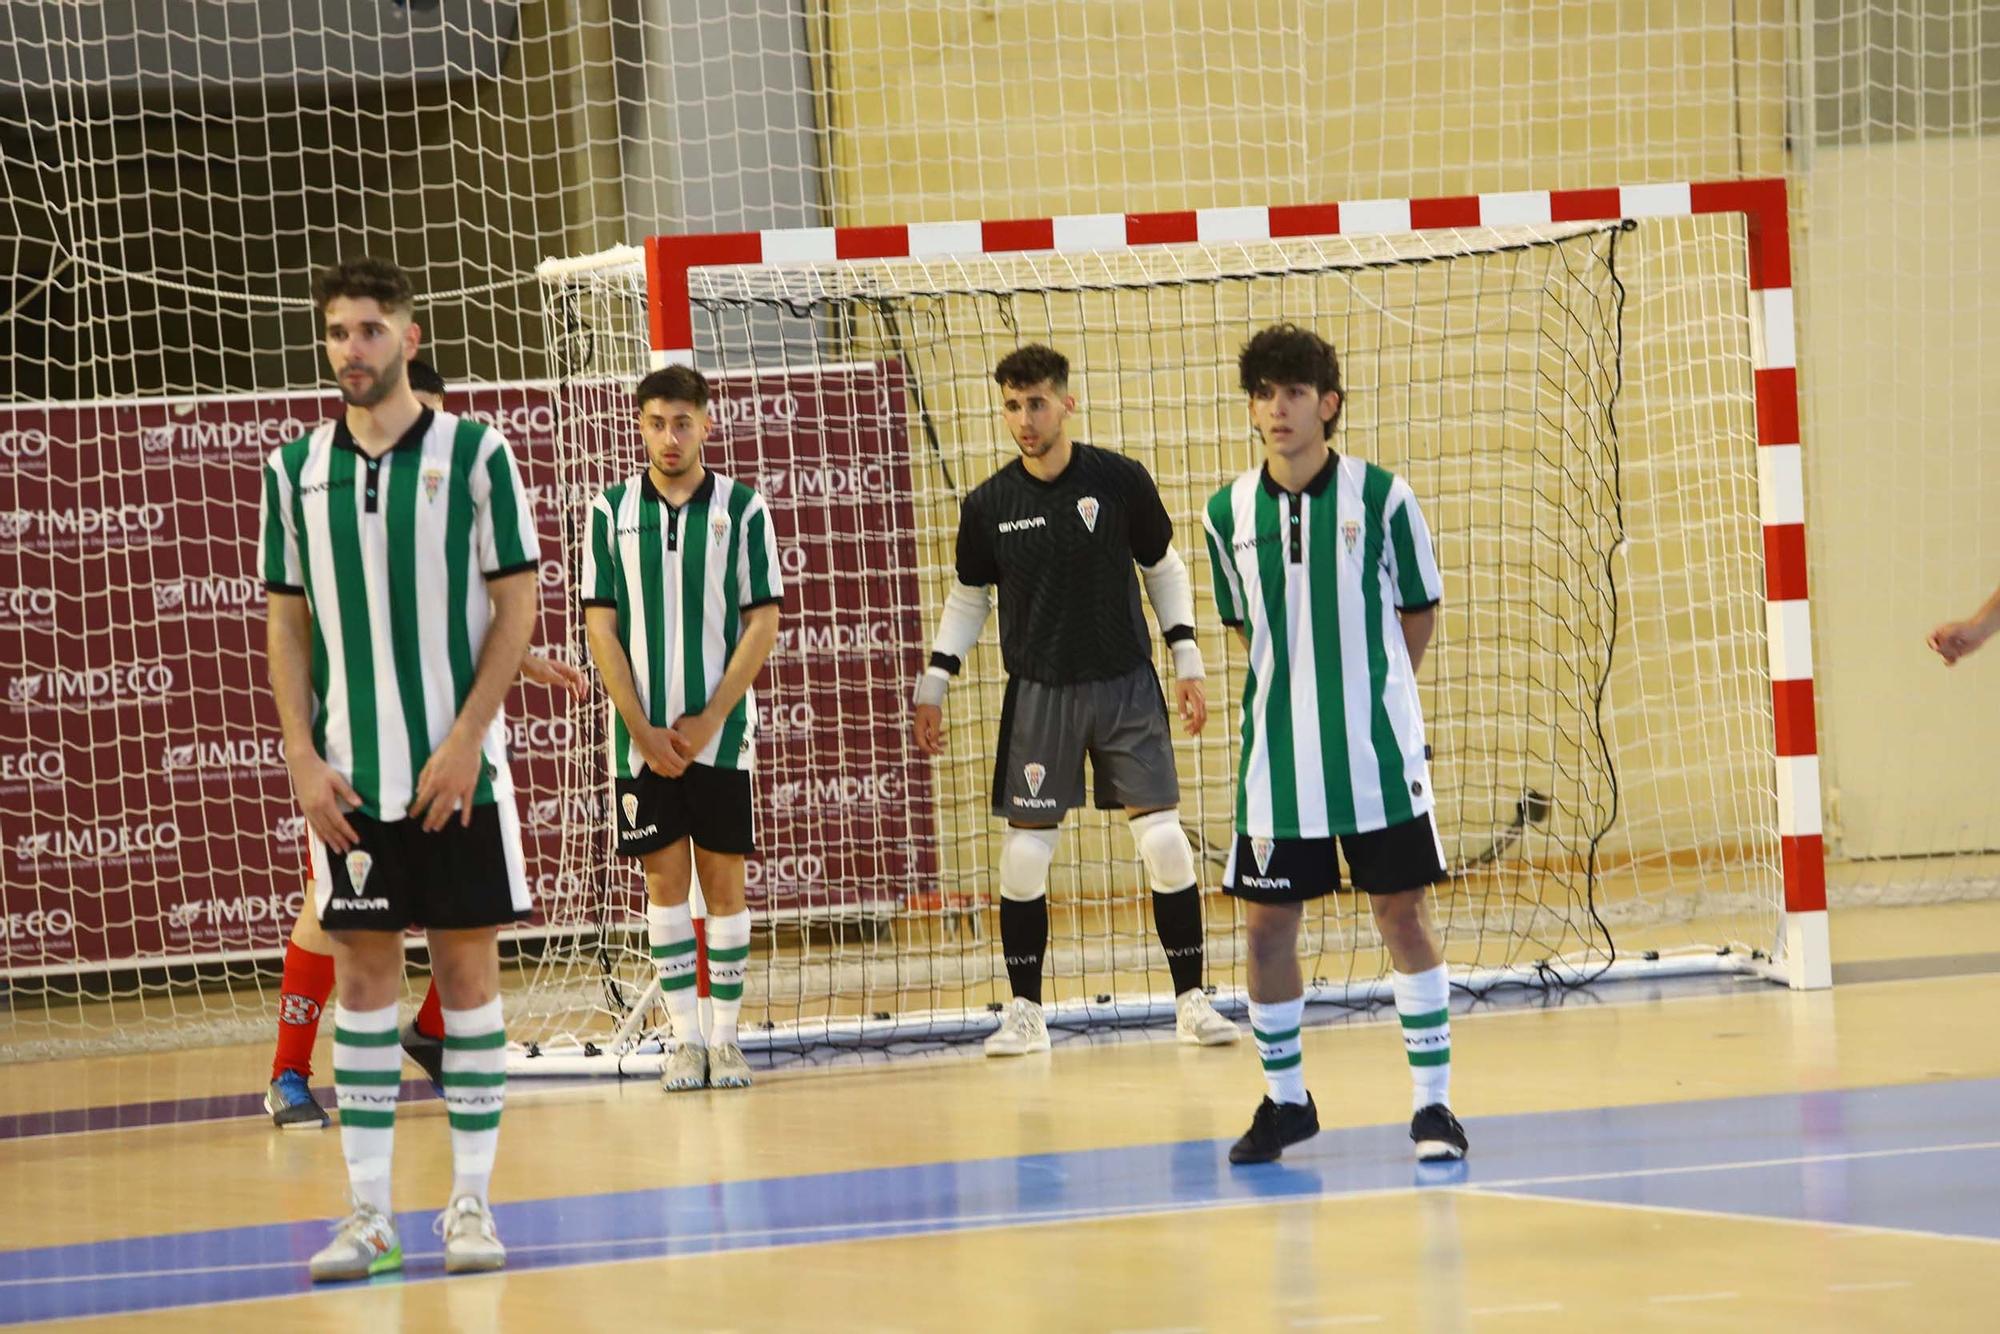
<point x="1762" y="203"/>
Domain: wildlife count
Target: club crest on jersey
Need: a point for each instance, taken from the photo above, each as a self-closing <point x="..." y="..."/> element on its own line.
<point x="1034" y="773"/>
<point x="359" y="864"/>
<point x="1086" y="509"/>
<point x="630" y="804"/>
<point x="1350" y="533"/>
<point x="1260" y="849"/>
<point x="433" y="479"/>
<point x="718" y="527"/>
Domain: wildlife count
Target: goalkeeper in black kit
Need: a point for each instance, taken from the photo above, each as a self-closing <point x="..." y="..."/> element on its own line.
<point x="1058" y="530"/>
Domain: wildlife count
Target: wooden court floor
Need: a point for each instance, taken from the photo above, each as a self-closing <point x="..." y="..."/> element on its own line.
<point x="1720" y="1155"/>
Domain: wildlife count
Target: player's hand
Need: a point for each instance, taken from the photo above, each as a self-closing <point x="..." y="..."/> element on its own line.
<point x="661" y="747"/>
<point x="930" y="729"/>
<point x="553" y="673"/>
<point x="1193" y="704"/>
<point x="446" y="785"/>
<point x="324" y="799"/>
<point x="692" y="732"/>
<point x="1954" y="639"/>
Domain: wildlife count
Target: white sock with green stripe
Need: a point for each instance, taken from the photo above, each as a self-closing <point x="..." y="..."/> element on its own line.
<point x="1423" y="1003"/>
<point x="728" y="960"/>
<point x="367" y="1076"/>
<point x="671" y="931"/>
<point x="475" y="1087"/>
<point x="1275" y="1025"/>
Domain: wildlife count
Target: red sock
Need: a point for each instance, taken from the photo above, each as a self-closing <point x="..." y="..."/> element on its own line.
<point x="301" y="997"/>
<point x="430" y="1015"/>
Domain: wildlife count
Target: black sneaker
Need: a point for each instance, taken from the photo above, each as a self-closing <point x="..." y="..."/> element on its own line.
<point x="291" y="1104"/>
<point x="427" y="1052"/>
<point x="1275" y="1125"/>
<point x="1437" y="1134"/>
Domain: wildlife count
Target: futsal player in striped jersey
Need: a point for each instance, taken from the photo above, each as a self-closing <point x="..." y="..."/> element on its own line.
<point x="399" y="553"/>
<point x="681" y="591"/>
<point x="307" y="982"/>
<point x="1323" y="565"/>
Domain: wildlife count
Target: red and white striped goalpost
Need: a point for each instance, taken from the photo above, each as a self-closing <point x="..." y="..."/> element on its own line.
<point x="1763" y="205"/>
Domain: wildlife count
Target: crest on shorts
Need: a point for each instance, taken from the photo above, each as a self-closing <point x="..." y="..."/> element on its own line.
<point x="1034" y="773"/>
<point x="1260" y="849"/>
<point x="1086" y="509"/>
<point x="359" y="864"/>
<point x="1350" y="533"/>
<point x="629" y="803"/>
<point x="433" y="479"/>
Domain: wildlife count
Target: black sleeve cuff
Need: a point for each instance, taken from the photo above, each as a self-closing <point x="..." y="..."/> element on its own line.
<point x="1178" y="634"/>
<point x="1233" y="625"/>
<point x="289" y="590"/>
<point x="601" y="602"/>
<point x="774" y="601"/>
<point x="509" y="571"/>
<point x="1420" y="606"/>
<point x="947" y="663"/>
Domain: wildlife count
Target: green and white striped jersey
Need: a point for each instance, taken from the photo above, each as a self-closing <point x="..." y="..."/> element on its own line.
<point x="393" y="555"/>
<point x="1333" y="734"/>
<point x="681" y="580"/>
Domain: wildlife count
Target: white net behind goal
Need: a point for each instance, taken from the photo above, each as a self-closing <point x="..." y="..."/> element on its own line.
<point x="1573" y="406"/>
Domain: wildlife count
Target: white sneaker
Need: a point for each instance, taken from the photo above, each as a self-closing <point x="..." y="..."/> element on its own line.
<point x="1198" y="1025"/>
<point x="1022" y="1030"/>
<point x="686" y="1068"/>
<point x="471" y="1245"/>
<point x="726" y="1067"/>
<point x="365" y="1244"/>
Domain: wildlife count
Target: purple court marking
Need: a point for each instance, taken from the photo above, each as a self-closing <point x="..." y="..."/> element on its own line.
<point x="164" y="1112"/>
<point x="1922" y="1157"/>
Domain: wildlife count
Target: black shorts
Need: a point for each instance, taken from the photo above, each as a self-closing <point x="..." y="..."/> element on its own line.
<point x="1046" y="730"/>
<point x="399" y="876"/>
<point x="712" y="805"/>
<point x="1291" y="870"/>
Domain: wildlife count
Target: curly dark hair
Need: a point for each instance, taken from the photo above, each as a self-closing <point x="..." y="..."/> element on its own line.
<point x="364" y="278"/>
<point x="1031" y="364"/>
<point x="675" y="384"/>
<point x="1288" y="354"/>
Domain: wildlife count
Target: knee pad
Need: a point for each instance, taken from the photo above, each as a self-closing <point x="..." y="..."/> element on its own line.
<point x="1163" y="846"/>
<point x="1025" y="855"/>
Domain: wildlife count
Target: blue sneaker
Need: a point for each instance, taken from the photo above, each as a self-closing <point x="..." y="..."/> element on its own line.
<point x="291" y="1104"/>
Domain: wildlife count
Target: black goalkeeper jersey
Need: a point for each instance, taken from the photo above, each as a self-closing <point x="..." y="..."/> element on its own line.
<point x="1061" y="553"/>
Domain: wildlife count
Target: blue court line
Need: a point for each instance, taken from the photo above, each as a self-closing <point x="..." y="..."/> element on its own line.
<point x="1922" y="1157"/>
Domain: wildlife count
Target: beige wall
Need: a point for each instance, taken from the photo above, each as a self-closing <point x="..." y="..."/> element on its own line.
<point x="946" y="110"/>
<point x="1900" y="370"/>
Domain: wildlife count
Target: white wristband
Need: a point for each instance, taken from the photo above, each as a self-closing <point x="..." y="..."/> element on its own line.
<point x="932" y="685"/>
<point x="1187" y="661"/>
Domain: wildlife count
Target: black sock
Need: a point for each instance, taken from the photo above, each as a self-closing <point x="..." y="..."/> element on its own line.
<point x="1177" y="916"/>
<point x="1024" y="938"/>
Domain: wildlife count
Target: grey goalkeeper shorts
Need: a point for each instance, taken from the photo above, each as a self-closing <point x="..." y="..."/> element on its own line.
<point x="1046" y="730"/>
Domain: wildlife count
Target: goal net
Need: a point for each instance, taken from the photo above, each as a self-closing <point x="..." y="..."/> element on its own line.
<point x="1572" y="403"/>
